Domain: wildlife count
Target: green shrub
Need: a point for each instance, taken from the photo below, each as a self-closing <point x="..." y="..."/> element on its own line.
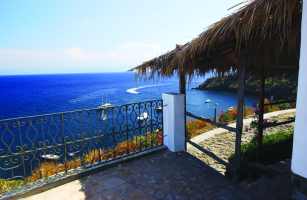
<point x="285" y="106"/>
<point x="226" y="117"/>
<point x="277" y="107"/>
<point x="276" y="146"/>
<point x="7" y="185"/>
<point x="254" y="124"/>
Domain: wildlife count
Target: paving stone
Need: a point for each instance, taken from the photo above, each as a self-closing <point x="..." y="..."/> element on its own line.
<point x="109" y="182"/>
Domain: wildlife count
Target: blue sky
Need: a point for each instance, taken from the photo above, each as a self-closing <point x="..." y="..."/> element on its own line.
<point x="74" y="36"/>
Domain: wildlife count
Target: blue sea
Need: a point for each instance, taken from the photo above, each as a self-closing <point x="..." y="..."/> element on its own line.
<point x="27" y="95"/>
<point x="43" y="94"/>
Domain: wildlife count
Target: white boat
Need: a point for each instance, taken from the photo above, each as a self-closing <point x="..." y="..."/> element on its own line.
<point x="50" y="157"/>
<point x="144" y="116"/>
<point x="159" y="109"/>
<point x="105" y="105"/>
<point x="230" y="108"/>
<point x="72" y="154"/>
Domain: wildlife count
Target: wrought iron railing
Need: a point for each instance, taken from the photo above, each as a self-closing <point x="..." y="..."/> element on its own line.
<point x="38" y="147"/>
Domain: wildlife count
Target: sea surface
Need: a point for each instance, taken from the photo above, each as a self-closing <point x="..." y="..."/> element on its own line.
<point x="27" y="95"/>
<point x="43" y="94"/>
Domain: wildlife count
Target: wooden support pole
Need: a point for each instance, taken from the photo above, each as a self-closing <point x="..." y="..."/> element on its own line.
<point x="182" y="83"/>
<point x="261" y="111"/>
<point x="240" y="117"/>
<point x="182" y="90"/>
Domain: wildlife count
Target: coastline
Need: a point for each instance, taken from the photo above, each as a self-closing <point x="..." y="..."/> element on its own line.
<point x="282" y="87"/>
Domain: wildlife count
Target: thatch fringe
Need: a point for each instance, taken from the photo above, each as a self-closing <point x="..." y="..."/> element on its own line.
<point x="267" y="32"/>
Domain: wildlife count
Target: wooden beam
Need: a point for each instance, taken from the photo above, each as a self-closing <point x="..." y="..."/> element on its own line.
<point x="182" y="83"/>
<point x="261" y="111"/>
<point x="182" y="90"/>
<point x="240" y="117"/>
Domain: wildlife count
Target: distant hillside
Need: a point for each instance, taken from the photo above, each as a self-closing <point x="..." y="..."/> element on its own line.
<point x="281" y="87"/>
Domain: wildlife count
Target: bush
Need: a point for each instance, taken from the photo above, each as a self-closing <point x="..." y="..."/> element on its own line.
<point x="285" y="106"/>
<point x="7" y="185"/>
<point x="277" y="107"/>
<point x="276" y="146"/>
<point x="46" y="169"/>
<point x="196" y="127"/>
<point x="231" y="115"/>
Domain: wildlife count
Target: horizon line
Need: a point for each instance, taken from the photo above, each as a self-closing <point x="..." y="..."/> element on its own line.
<point x="64" y="73"/>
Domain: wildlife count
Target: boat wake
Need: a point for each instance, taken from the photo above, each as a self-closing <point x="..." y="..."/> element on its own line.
<point x="135" y="90"/>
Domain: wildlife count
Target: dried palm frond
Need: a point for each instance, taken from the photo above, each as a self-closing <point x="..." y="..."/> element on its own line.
<point x="267" y="32"/>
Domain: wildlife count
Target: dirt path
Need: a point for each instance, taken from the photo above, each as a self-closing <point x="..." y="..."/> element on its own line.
<point x="246" y="122"/>
<point x="221" y="142"/>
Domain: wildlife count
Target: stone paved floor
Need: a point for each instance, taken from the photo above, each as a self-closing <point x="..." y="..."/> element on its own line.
<point x="160" y="176"/>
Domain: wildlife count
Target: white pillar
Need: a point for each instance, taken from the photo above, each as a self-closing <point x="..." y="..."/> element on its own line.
<point x="173" y="121"/>
<point x="299" y="155"/>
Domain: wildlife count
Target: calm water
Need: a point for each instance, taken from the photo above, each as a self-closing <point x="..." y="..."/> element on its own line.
<point x="40" y="94"/>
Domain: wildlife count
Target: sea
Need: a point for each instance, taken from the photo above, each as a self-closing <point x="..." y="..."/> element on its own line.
<point x="28" y="95"/>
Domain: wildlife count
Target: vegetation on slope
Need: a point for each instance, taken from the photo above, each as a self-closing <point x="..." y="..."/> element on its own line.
<point x="277" y="146"/>
<point x="281" y="86"/>
<point x="94" y="156"/>
<point x="197" y="127"/>
<point x="231" y="114"/>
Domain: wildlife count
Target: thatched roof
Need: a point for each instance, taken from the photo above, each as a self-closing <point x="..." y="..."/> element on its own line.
<point x="264" y="33"/>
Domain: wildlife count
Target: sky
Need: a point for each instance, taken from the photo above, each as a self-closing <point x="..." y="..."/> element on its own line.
<point x="89" y="36"/>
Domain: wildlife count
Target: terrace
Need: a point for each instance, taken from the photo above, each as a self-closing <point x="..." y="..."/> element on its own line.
<point x="135" y="165"/>
<point x="161" y="175"/>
